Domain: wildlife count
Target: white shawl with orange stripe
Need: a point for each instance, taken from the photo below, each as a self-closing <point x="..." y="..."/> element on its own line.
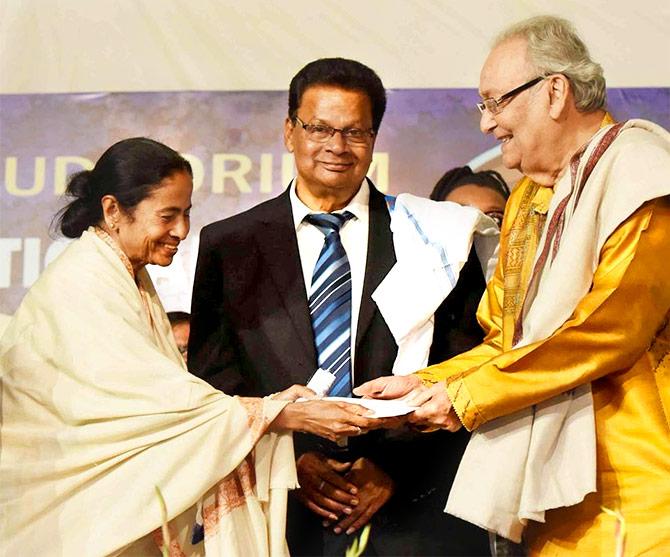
<point x="98" y="408"/>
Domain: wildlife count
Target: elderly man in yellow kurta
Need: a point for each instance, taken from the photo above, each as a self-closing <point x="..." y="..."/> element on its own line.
<point x="569" y="395"/>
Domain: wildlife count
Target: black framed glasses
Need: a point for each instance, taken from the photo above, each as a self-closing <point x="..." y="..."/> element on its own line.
<point x="321" y="133"/>
<point x="494" y="106"/>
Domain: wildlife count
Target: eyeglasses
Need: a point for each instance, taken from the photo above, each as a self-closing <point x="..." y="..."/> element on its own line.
<point x="322" y="133"/>
<point x="494" y="106"/>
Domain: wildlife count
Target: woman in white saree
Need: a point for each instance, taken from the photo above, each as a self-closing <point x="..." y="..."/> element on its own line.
<point x="98" y="409"/>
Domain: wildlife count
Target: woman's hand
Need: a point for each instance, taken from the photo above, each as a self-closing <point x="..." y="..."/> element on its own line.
<point x="293" y="393"/>
<point x="331" y="420"/>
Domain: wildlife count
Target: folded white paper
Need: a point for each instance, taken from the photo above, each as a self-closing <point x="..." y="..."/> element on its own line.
<point x="381" y="408"/>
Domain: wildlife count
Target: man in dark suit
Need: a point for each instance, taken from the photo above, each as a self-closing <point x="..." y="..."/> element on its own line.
<point x="255" y="315"/>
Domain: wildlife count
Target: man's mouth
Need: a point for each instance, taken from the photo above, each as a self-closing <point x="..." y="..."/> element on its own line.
<point x="336" y="166"/>
<point x="170" y="247"/>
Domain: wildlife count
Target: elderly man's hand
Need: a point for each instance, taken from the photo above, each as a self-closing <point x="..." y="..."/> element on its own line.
<point x="323" y="488"/>
<point x="375" y="488"/>
<point x="388" y="387"/>
<point x="434" y="409"/>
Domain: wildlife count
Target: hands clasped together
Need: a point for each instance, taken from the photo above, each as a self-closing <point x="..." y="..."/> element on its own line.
<point x="347" y="494"/>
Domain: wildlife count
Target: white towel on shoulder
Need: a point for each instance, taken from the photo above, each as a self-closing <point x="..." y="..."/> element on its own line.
<point x="432" y="241"/>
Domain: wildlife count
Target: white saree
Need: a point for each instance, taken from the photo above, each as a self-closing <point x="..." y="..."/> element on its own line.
<point x="98" y="408"/>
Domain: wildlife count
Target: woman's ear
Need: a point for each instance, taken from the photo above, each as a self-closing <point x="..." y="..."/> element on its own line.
<point x="111" y="211"/>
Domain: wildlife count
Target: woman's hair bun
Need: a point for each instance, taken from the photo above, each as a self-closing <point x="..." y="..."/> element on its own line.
<point x="83" y="210"/>
<point x="80" y="185"/>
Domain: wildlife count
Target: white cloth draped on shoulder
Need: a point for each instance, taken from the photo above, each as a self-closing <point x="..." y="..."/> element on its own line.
<point x="432" y="242"/>
<point x="519" y="466"/>
<point x="98" y="408"/>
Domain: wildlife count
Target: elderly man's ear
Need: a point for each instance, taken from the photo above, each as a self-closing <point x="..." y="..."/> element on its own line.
<point x="560" y="95"/>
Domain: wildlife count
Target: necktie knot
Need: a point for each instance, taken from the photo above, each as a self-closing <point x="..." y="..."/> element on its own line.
<point x="328" y="223"/>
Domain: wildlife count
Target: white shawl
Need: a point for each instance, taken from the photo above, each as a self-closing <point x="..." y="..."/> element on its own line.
<point x="518" y="466"/>
<point x="432" y="242"/>
<point x="98" y="408"/>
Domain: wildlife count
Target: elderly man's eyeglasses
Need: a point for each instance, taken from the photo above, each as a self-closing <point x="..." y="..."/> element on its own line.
<point x="494" y="106"/>
<point x="322" y="133"/>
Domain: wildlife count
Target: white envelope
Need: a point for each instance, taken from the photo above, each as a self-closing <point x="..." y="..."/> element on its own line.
<point x="381" y="408"/>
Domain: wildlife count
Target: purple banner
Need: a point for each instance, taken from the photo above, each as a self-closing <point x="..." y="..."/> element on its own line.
<point x="234" y="141"/>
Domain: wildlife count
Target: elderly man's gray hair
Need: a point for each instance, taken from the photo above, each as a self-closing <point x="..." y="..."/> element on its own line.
<point x="555" y="47"/>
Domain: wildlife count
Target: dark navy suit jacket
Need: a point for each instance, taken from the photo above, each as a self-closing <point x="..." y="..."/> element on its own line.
<point x="251" y="335"/>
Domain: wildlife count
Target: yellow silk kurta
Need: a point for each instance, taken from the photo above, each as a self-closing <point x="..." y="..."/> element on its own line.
<point x="614" y="339"/>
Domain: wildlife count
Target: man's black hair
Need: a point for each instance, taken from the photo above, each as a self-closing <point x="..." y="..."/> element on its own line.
<point x="339" y="72"/>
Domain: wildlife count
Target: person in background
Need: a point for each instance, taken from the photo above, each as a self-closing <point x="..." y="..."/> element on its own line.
<point x="181" y="328"/>
<point x="258" y="324"/>
<point x="99" y="410"/>
<point x="485" y="190"/>
<point x="569" y="395"/>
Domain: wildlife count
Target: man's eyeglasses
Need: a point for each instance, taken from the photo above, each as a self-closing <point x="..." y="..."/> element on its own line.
<point x="494" y="106"/>
<point x="322" y="133"/>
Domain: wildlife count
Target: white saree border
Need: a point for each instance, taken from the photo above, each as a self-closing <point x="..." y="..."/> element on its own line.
<point x="245" y="514"/>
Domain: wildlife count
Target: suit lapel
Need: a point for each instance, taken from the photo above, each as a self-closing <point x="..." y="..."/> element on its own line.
<point x="279" y="247"/>
<point x="380" y="258"/>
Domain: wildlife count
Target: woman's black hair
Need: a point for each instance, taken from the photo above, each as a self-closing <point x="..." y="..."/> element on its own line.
<point x="129" y="170"/>
<point x="462" y="175"/>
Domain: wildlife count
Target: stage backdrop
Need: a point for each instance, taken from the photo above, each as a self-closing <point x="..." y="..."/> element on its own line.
<point x="234" y="142"/>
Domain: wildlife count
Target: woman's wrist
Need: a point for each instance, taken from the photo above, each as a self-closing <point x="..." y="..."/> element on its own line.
<point x="289" y="418"/>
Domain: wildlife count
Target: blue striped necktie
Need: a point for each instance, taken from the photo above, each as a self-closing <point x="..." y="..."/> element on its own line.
<point x="330" y="302"/>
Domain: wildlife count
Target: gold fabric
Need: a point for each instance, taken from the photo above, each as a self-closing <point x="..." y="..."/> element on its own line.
<point x="621" y="348"/>
<point x="522" y="243"/>
<point x="597" y="344"/>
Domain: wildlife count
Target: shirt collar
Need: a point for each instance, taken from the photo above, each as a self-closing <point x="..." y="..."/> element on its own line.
<point x="357" y="206"/>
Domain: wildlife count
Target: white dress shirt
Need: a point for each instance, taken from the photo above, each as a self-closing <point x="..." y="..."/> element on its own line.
<point x="354" y="236"/>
